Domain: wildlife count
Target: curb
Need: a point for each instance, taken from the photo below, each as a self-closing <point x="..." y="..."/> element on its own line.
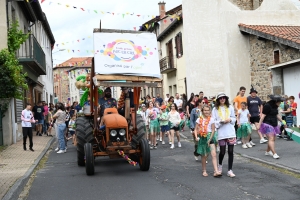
<point x="271" y="164"/>
<point x="17" y="188"/>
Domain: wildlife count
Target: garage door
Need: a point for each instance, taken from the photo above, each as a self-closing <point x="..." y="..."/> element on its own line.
<point x="291" y="80"/>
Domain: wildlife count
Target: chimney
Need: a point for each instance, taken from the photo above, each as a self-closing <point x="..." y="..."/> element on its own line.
<point x="162" y="9"/>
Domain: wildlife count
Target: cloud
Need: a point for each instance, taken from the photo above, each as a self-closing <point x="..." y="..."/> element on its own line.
<point x="69" y="24"/>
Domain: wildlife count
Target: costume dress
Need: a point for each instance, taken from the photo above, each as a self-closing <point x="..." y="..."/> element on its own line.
<point x="245" y="128"/>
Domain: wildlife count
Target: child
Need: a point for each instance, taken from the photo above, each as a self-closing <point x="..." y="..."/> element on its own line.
<point x="182" y="117"/>
<point x="50" y="118"/>
<point x="27" y="118"/>
<point x="164" y="123"/>
<point x="145" y="118"/>
<point x="72" y="126"/>
<point x="205" y="135"/>
<point x="244" y="127"/>
<point x="293" y="107"/>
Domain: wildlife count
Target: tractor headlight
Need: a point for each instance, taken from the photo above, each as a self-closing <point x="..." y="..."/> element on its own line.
<point x="122" y="132"/>
<point x="113" y="133"/>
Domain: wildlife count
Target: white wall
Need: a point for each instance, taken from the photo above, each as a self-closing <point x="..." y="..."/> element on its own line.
<point x="3" y="25"/>
<point x="174" y="78"/>
<point x="217" y="54"/>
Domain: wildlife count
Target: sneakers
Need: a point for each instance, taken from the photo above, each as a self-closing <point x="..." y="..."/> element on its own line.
<point x="65" y="150"/>
<point x="248" y="145"/>
<point x="252" y="143"/>
<point x="57" y="149"/>
<point x="239" y="142"/>
<point x="179" y="144"/>
<point x="196" y="158"/>
<point x="160" y="139"/>
<point x="230" y="174"/>
<point x="279" y="136"/>
<point x="263" y="140"/>
<point x="172" y="146"/>
<point x="220" y="169"/>
<point x="170" y="143"/>
<point x="268" y="153"/>
<point x="155" y="147"/>
<point x="244" y="146"/>
<point x="61" y="151"/>
<point x="151" y="147"/>
<point x="285" y="137"/>
<point x="163" y="142"/>
<point x="276" y="156"/>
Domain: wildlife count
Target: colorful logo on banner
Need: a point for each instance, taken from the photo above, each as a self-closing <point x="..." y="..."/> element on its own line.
<point x="124" y="50"/>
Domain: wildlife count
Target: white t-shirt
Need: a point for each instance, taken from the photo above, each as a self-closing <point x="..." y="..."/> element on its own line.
<point x="243" y="116"/>
<point x="26" y="118"/>
<point x="178" y="103"/>
<point x="211" y="121"/>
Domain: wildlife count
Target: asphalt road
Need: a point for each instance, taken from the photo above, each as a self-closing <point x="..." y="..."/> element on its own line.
<point x="173" y="174"/>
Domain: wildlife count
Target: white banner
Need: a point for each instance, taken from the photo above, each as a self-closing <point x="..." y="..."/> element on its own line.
<point x="126" y="54"/>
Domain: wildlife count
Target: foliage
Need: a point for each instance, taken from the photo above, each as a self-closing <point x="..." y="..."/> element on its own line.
<point x="12" y="78"/>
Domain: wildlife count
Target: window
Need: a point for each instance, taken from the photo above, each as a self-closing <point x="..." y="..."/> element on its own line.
<point x="13" y="14"/>
<point x="179" y="47"/>
<point x="276" y="57"/>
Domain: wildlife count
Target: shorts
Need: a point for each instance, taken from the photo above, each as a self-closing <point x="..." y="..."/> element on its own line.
<point x="165" y="128"/>
<point x="227" y="141"/>
<point x="72" y="132"/>
<point x="254" y="120"/>
<point x="175" y="128"/>
<point x="40" y="121"/>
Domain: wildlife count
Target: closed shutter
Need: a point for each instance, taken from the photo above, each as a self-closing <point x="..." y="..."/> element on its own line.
<point x="19" y="108"/>
<point x="179" y="49"/>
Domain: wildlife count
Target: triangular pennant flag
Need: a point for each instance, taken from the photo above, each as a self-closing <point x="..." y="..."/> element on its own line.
<point x="146" y="26"/>
<point x="74" y="7"/>
<point x="95" y="11"/>
<point x="178" y="18"/>
<point x="67" y="6"/>
<point x="152" y="24"/>
<point x="138" y="15"/>
<point x="123" y="15"/>
<point x="43" y="1"/>
<point x="73" y="51"/>
<point x="78" y="40"/>
<point x="134" y="28"/>
<point x="82" y="9"/>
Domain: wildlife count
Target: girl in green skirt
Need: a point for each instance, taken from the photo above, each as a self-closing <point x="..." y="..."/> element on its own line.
<point x="205" y="135"/>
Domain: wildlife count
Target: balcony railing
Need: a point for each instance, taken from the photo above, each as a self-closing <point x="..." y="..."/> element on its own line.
<point x="32" y="55"/>
<point x="167" y="65"/>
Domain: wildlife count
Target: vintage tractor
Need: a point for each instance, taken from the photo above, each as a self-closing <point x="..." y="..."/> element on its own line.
<point x="120" y="133"/>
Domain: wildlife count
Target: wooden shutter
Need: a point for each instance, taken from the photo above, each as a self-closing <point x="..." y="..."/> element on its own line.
<point x="179" y="49"/>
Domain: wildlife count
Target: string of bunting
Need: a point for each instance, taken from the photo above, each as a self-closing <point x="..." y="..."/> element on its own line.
<point x="131" y="162"/>
<point x="112" y="13"/>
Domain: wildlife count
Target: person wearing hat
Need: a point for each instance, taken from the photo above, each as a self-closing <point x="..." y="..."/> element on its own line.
<point x="255" y="109"/>
<point x="268" y="123"/>
<point x="107" y="101"/>
<point x="224" y="116"/>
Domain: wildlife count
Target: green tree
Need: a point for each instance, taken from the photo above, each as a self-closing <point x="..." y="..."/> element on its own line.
<point x="12" y="77"/>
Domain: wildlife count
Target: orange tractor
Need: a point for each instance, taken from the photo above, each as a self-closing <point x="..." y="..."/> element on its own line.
<point x="121" y="133"/>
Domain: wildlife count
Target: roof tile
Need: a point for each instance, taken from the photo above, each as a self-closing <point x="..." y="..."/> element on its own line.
<point x="286" y="32"/>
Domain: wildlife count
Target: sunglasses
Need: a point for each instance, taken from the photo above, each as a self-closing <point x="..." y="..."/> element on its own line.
<point x="222" y="98"/>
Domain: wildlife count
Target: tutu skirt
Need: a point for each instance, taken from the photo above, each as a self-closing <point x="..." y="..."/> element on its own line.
<point x="269" y="130"/>
<point x="203" y="148"/>
<point x="154" y="126"/>
<point x="244" y="130"/>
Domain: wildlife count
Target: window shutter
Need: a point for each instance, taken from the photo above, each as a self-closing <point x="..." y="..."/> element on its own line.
<point x="181" y="44"/>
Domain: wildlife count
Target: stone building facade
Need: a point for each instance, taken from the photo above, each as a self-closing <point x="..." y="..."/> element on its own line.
<point x="61" y="84"/>
<point x="261" y="58"/>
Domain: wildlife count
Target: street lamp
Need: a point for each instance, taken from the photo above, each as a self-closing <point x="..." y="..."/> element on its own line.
<point x="58" y="51"/>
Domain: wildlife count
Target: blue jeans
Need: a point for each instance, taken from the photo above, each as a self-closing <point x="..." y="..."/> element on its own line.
<point x="61" y="135"/>
<point x="295" y="121"/>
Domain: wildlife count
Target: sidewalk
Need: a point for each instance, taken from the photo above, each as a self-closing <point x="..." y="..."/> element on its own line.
<point x="289" y="152"/>
<point x="16" y="165"/>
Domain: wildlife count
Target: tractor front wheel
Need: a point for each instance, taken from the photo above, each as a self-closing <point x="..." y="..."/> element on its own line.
<point x="144" y="156"/>
<point x="89" y="159"/>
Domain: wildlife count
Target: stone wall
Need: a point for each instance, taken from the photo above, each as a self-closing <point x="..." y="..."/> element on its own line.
<point x="262" y="57"/>
<point x="247" y="4"/>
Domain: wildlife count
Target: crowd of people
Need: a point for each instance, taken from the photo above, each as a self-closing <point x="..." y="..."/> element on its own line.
<point x="213" y="122"/>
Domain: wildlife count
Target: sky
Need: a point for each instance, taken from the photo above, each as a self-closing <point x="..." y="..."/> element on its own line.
<point x="73" y="28"/>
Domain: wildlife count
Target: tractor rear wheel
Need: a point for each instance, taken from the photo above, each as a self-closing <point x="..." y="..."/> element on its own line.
<point x="89" y="159"/>
<point x="84" y="134"/>
<point x="144" y="156"/>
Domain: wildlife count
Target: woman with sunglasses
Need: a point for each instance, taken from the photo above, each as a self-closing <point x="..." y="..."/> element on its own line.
<point x="154" y="125"/>
<point x="224" y="116"/>
<point x="174" y="119"/>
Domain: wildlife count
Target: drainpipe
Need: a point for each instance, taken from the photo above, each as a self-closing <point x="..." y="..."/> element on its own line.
<point x="13" y="122"/>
